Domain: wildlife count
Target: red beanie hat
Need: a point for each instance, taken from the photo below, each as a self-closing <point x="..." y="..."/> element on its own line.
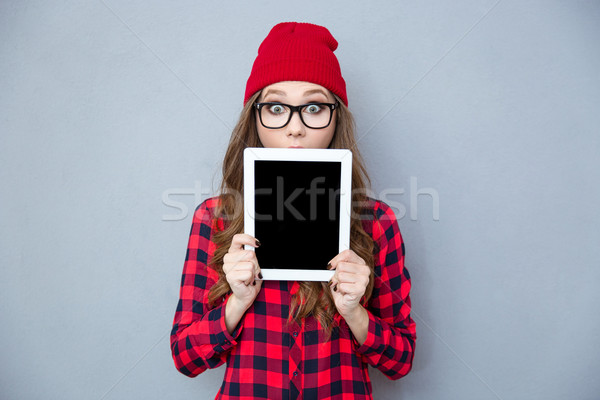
<point x="295" y="51"/>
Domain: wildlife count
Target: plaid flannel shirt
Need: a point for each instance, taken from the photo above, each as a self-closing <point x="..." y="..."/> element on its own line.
<point x="266" y="356"/>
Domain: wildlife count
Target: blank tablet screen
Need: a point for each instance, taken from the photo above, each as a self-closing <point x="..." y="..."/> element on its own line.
<point x="297" y="208"/>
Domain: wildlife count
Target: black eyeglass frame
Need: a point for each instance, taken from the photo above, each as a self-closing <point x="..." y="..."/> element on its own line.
<point x="332" y="107"/>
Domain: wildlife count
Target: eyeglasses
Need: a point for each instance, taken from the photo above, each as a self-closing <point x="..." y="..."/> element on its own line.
<point x="313" y="115"/>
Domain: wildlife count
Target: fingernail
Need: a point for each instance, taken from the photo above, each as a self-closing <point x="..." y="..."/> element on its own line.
<point x="335" y="288"/>
<point x="328" y="265"/>
<point x="259" y="275"/>
<point x="257" y="243"/>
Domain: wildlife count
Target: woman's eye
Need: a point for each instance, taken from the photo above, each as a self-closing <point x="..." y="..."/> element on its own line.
<point x="313" y="108"/>
<point x="277" y="109"/>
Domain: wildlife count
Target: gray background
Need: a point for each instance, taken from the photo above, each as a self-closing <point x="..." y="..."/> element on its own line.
<point x="107" y="109"/>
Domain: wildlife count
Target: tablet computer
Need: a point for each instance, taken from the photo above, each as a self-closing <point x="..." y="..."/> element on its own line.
<point x="297" y="202"/>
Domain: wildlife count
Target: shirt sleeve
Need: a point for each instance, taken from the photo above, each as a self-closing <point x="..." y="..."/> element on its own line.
<point x="199" y="338"/>
<point x="391" y="335"/>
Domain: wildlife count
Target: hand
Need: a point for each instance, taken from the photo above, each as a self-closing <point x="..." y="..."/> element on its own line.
<point x="349" y="283"/>
<point x="242" y="272"/>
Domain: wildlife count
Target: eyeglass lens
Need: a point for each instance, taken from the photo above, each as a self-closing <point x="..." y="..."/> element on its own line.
<point x="278" y="115"/>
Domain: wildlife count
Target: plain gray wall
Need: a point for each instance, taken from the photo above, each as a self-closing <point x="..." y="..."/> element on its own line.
<point x="108" y="108"/>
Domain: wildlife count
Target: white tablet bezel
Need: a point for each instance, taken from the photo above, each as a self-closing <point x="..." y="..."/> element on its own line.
<point x="252" y="154"/>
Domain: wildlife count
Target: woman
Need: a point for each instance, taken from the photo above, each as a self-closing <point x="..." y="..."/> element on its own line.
<point x="284" y="339"/>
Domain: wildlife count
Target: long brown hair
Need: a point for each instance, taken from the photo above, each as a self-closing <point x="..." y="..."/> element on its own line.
<point x="312" y="297"/>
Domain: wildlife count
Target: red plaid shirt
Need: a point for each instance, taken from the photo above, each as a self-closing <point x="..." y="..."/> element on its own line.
<point x="266" y="356"/>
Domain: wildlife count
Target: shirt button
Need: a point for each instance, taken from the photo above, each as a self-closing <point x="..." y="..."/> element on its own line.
<point x="295" y="373"/>
<point x="295" y="334"/>
<point x="226" y="341"/>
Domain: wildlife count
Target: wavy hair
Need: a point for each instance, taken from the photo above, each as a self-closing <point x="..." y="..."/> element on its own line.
<point x="312" y="298"/>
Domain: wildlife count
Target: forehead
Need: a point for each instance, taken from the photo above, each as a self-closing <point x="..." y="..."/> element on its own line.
<point x="296" y="89"/>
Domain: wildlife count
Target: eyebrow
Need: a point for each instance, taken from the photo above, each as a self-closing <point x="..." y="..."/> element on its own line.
<point x="307" y="93"/>
<point x="273" y="91"/>
<point x="313" y="91"/>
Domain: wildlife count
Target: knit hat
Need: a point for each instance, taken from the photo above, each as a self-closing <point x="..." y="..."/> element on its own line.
<point x="295" y="51"/>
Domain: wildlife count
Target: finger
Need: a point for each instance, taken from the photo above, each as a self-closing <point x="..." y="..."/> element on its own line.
<point x="241" y="239"/>
<point x="241" y="255"/>
<point x="347" y="277"/>
<point x="348" y="256"/>
<point x="244" y="276"/>
<point x="333" y="285"/>
<point x="258" y="275"/>
<point x="238" y="266"/>
<point x="231" y="260"/>
<point x="353" y="268"/>
<point x="333" y="282"/>
<point x="358" y="281"/>
<point x="351" y="289"/>
<point x="250" y="279"/>
<point x="250" y="272"/>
